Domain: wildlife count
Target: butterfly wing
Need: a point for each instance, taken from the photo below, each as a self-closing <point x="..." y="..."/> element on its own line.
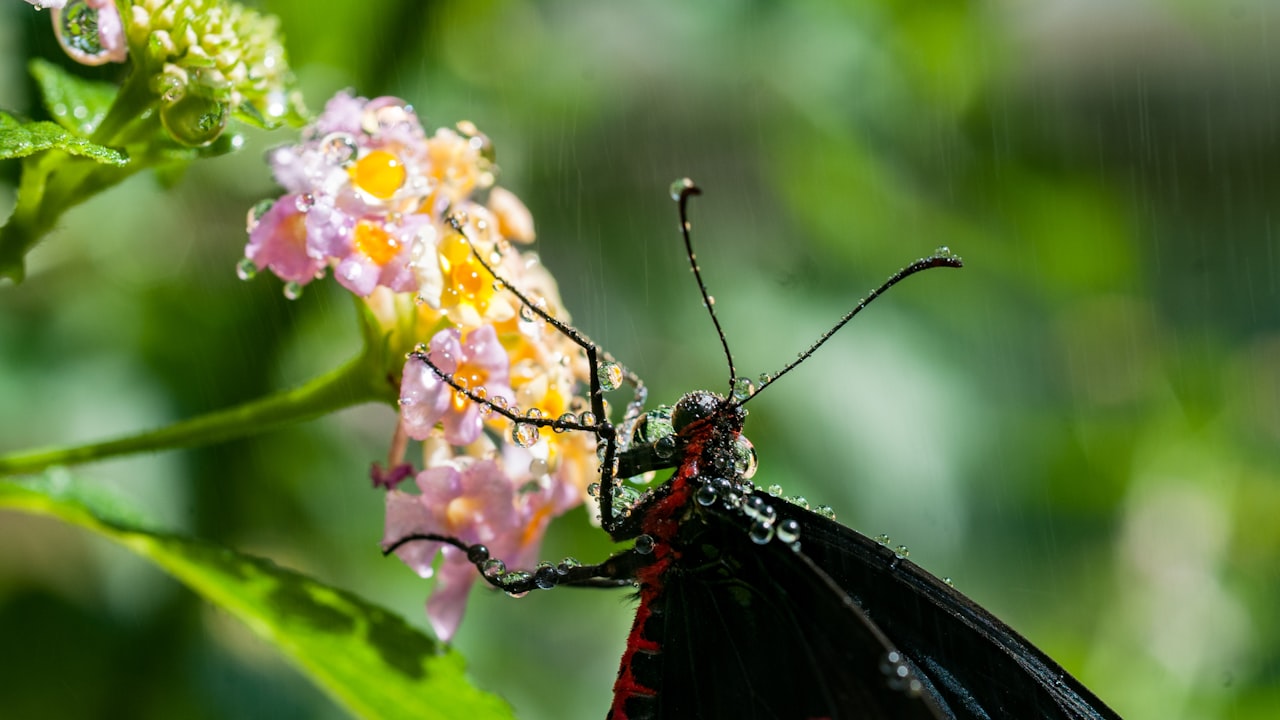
<point x="981" y="666"/>
<point x="751" y="631"/>
<point x="763" y="631"/>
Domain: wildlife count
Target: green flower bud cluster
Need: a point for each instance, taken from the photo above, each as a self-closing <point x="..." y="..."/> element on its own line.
<point x="208" y="57"/>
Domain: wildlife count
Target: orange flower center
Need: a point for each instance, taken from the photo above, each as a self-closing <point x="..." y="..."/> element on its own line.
<point x="466" y="280"/>
<point x="540" y="517"/>
<point x="294" y="228"/>
<point x="462" y="511"/>
<point x="379" y="173"/>
<point x="374" y="242"/>
<point x="470" y="376"/>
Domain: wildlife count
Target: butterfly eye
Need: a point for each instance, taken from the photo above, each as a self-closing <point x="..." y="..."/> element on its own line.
<point x="692" y="407"/>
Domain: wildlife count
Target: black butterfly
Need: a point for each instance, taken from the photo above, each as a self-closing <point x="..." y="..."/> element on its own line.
<point x="752" y="606"/>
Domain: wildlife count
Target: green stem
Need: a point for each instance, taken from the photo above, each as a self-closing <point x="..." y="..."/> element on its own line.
<point x="354" y="383"/>
<point x="53" y="182"/>
<point x="27" y="224"/>
<point x="129" y="107"/>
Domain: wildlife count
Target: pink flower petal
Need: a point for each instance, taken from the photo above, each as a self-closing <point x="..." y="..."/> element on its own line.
<point x="473" y="501"/>
<point x="341" y="114"/>
<point x="406" y="516"/>
<point x="422" y="402"/>
<point x="448" y="601"/>
<point x="426" y="399"/>
<point x="279" y="242"/>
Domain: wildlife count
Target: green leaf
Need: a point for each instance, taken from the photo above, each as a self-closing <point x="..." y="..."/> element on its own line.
<point x="77" y="104"/>
<point x="19" y="139"/>
<point x="366" y="657"/>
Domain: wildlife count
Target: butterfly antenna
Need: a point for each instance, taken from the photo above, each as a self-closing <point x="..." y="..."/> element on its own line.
<point x="942" y="257"/>
<point x="681" y="191"/>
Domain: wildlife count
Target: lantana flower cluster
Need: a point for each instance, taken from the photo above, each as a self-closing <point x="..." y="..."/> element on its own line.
<point x="375" y="199"/>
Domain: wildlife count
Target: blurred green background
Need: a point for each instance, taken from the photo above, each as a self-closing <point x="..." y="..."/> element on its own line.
<point x="1081" y="428"/>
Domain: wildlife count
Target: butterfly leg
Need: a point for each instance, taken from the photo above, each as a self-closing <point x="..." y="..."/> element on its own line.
<point x="617" y="571"/>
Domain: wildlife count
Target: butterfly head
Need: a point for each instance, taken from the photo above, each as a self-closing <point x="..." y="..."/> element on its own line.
<point x="705" y="407"/>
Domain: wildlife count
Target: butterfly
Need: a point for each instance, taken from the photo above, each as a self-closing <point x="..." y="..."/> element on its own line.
<point x="753" y="606"/>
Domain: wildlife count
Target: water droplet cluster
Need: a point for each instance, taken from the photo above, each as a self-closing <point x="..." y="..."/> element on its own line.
<point x="899" y="675"/>
<point x="757" y="510"/>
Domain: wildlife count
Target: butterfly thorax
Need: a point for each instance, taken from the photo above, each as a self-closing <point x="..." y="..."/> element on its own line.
<point x="704" y="444"/>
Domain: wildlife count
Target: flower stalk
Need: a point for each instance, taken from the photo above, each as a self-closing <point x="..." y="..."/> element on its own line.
<point x="346" y="386"/>
<point x="365" y="378"/>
